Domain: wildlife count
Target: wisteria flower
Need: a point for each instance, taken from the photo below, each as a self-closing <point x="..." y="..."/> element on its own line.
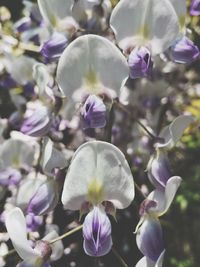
<point x="98" y="173"/>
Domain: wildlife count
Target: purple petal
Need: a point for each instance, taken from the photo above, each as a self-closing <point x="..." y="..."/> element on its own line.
<point x="195" y="8"/>
<point x="184" y="51"/>
<point x="93" y="113"/>
<point x="33" y="222"/>
<point x="140" y="63"/>
<point x="150" y="239"/>
<point x="53" y="48"/>
<point x="97" y="233"/>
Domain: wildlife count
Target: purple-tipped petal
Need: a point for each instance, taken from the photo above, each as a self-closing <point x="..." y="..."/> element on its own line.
<point x="146" y="262"/>
<point x="150" y="239"/>
<point x="53" y="48"/>
<point x="38" y="124"/>
<point x="23" y="24"/>
<point x="45" y="199"/>
<point x="184" y="51"/>
<point x="93" y="113"/>
<point x="140" y="63"/>
<point x="195" y="8"/>
<point x="159" y="170"/>
<point x="97" y="233"/>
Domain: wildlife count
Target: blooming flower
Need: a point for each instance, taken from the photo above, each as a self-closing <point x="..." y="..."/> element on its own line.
<point x="98" y="173"/>
<point x="151" y="23"/>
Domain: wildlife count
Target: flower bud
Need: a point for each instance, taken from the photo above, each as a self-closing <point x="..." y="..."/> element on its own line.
<point x="38" y="124"/>
<point x="93" y="113"/>
<point x="140" y="62"/>
<point x="97" y="233"/>
<point x="53" y="48"/>
<point x="150" y="239"/>
<point x="45" y="199"/>
<point x="195" y="8"/>
<point x="158" y="170"/>
<point x="184" y="51"/>
<point x="23" y="24"/>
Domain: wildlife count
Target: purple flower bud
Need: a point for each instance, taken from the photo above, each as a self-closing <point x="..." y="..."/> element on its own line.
<point x="140" y="62"/>
<point x="195" y="8"/>
<point x="53" y="48"/>
<point x="184" y="51"/>
<point x="10" y="176"/>
<point x="23" y="24"/>
<point x="45" y="199"/>
<point x="93" y="113"/>
<point x="150" y="239"/>
<point x="97" y="233"/>
<point x="158" y="170"/>
<point x="38" y="124"/>
<point x="33" y="222"/>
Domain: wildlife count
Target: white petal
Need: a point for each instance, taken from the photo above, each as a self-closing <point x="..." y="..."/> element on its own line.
<point x="91" y="63"/>
<point x="139" y="22"/>
<point x="52" y="10"/>
<point x="181" y="9"/>
<point x="172" y="133"/>
<point x="99" y="170"/>
<point x="51" y="157"/>
<point x="145" y="262"/>
<point x="16" y="227"/>
<point x="165" y="198"/>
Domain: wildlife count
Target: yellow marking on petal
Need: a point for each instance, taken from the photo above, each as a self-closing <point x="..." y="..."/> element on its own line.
<point x="144" y="32"/>
<point x="182" y="21"/>
<point x="95" y="192"/>
<point x="17" y="90"/>
<point x="92" y="84"/>
<point x="53" y="20"/>
<point x="15" y="162"/>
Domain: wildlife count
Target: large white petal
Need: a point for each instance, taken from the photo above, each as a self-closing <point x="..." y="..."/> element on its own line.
<point x="93" y="64"/>
<point x="165" y="197"/>
<point x="139" y="22"/>
<point x="16" y="227"/>
<point x="52" y="10"/>
<point x="98" y="170"/>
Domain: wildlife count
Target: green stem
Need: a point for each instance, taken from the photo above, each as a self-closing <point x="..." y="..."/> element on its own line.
<point x="66" y="234"/>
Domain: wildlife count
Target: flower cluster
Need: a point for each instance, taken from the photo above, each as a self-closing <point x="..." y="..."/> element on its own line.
<point x="85" y="88"/>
